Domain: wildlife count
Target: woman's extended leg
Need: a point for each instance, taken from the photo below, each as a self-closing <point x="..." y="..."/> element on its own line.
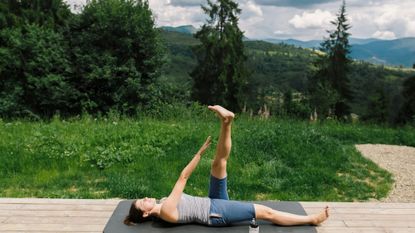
<point x="286" y="219"/>
<point x="224" y="145"/>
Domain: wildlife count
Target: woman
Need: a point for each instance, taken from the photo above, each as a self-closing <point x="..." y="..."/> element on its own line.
<point x="217" y="209"/>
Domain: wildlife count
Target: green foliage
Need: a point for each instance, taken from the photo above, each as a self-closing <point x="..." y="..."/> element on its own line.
<point x="35" y="72"/>
<point x="278" y="68"/>
<point x="117" y="55"/>
<point x="377" y="92"/>
<point x="408" y="108"/>
<point x="49" y="13"/>
<point x="53" y="62"/>
<point x="333" y="67"/>
<point x="120" y="157"/>
<point x="220" y="73"/>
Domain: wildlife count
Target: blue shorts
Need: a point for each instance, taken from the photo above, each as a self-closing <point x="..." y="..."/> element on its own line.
<point x="223" y="211"/>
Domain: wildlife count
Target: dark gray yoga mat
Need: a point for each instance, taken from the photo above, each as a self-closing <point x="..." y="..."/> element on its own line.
<point x="115" y="223"/>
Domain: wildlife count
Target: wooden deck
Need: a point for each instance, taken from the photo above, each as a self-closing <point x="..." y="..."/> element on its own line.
<point x="71" y="215"/>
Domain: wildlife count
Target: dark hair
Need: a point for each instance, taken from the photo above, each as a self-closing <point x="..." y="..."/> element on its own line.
<point x="135" y="215"/>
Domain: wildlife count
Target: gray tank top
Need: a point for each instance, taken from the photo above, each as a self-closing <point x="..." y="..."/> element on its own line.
<point x="193" y="209"/>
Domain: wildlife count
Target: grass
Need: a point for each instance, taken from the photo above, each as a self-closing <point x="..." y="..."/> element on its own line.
<point x="128" y="158"/>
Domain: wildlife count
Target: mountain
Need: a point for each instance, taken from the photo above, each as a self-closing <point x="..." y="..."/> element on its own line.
<point x="394" y="52"/>
<point x="304" y="44"/>
<point x="187" y="29"/>
<point x="316" y="43"/>
<point x="361" y="41"/>
<point x="276" y="69"/>
<point x="399" y="52"/>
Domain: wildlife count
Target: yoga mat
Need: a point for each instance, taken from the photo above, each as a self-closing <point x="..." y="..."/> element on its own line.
<point x="115" y="223"/>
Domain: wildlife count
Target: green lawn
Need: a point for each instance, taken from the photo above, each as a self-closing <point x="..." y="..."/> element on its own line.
<point x="128" y="158"/>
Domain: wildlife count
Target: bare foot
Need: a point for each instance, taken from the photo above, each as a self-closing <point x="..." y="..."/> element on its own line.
<point x="320" y="217"/>
<point x="225" y="115"/>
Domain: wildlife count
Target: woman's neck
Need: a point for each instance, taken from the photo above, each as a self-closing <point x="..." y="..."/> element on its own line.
<point x="156" y="210"/>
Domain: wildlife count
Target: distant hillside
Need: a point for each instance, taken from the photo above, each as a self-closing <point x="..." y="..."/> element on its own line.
<point x="394" y="52"/>
<point x="316" y="43"/>
<point x="389" y="52"/>
<point x="304" y="44"/>
<point x="399" y="52"/>
<point x="187" y="29"/>
<point x="277" y="68"/>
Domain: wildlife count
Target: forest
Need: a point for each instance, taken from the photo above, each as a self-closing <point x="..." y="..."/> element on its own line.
<point x="111" y="57"/>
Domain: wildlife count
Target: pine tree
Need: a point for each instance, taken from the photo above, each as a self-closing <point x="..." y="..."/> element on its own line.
<point x="220" y="73"/>
<point x="333" y="66"/>
<point x="408" y="108"/>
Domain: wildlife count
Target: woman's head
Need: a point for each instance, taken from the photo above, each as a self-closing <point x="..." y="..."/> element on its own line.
<point x="140" y="211"/>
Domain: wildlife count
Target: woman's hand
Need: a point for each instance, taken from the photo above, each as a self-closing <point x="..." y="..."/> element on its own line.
<point x="205" y="146"/>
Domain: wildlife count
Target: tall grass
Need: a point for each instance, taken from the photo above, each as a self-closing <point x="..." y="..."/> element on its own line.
<point x="129" y="158"/>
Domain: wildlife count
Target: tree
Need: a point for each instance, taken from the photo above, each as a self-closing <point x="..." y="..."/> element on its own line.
<point x="333" y="65"/>
<point x="377" y="108"/>
<point x="117" y="55"/>
<point x="35" y="73"/>
<point x="220" y="74"/>
<point x="50" y="13"/>
<point x="34" y="67"/>
<point x="408" y="108"/>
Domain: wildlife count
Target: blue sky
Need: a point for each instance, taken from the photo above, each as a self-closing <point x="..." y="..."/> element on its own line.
<point x="298" y="19"/>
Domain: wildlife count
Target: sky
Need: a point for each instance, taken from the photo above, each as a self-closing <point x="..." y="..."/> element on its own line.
<point x="297" y="19"/>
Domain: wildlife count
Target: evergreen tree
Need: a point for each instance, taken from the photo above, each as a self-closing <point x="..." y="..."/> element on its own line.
<point x="377" y="108"/>
<point x="220" y="74"/>
<point x="408" y="108"/>
<point x="333" y="66"/>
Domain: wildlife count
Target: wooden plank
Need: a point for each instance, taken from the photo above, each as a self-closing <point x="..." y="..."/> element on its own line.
<point x="60" y="220"/>
<point x="380" y="217"/>
<point x="59" y="201"/>
<point x="2" y="219"/>
<point x="64" y="213"/>
<point x="364" y="230"/>
<point x="376" y="211"/>
<point x="35" y="231"/>
<point x="401" y="230"/>
<point x="334" y="223"/>
<point x="350" y="230"/>
<point x="359" y="204"/>
<point x="59" y="207"/>
<point x="378" y="223"/>
<point x="10" y="206"/>
<point x="50" y="227"/>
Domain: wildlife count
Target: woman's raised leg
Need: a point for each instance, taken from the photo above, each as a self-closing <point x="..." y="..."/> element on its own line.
<point x="224" y="145"/>
<point x="286" y="219"/>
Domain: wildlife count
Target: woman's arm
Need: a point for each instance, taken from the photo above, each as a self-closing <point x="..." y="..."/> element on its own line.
<point x="188" y="170"/>
<point x="169" y="208"/>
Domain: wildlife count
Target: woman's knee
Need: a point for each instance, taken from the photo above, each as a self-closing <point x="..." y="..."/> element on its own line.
<point x="263" y="212"/>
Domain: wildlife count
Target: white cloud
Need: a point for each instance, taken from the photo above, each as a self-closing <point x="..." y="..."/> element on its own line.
<point x="397" y="18"/>
<point x="410" y="29"/>
<point x="167" y="14"/>
<point x="385" y="35"/>
<point x="316" y="19"/>
<point x="251" y="10"/>
<point x="279" y="32"/>
<point x="372" y="18"/>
